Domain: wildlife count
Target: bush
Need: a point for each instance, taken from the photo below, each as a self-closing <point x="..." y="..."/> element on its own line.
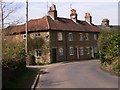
<point x="115" y="65"/>
<point x="13" y="60"/>
<point x="104" y="64"/>
<point x="109" y="50"/>
<point x="109" y="44"/>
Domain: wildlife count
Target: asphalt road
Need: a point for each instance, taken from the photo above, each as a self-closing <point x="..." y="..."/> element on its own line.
<point x="82" y="74"/>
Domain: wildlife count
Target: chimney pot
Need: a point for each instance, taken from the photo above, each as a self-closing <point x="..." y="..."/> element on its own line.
<point x="73" y="15"/>
<point x="105" y="22"/>
<point x="73" y="11"/>
<point x="87" y="14"/>
<point x="88" y="18"/>
<point x="52" y="12"/>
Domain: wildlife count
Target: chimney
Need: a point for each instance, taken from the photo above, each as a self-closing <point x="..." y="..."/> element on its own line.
<point x="53" y="12"/>
<point x="73" y="15"/>
<point x="88" y="18"/>
<point x="105" y="22"/>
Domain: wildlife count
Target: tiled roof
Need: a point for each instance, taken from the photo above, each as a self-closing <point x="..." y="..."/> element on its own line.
<point x="47" y="23"/>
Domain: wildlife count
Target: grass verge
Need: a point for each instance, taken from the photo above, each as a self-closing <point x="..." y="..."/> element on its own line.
<point x="24" y="79"/>
<point x="109" y="70"/>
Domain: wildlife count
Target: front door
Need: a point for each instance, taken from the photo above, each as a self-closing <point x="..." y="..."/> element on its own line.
<point x="54" y="57"/>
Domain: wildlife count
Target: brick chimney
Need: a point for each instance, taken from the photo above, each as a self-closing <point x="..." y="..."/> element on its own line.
<point x="73" y="15"/>
<point x="105" y="22"/>
<point x="53" y="12"/>
<point x="88" y="18"/>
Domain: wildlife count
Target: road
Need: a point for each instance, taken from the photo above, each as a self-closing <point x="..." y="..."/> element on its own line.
<point x="82" y="74"/>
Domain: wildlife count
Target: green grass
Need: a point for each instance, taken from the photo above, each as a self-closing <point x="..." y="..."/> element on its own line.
<point x="111" y="71"/>
<point x="24" y="79"/>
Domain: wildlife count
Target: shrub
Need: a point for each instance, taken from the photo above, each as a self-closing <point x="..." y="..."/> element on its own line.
<point x="13" y="54"/>
<point x="109" y="50"/>
<point x="109" y="44"/>
<point x="104" y="64"/>
<point x="115" y="65"/>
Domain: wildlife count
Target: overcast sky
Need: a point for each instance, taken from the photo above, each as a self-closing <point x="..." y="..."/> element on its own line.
<point x="99" y="9"/>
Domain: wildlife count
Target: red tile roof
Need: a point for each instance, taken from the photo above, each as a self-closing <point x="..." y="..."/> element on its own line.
<point x="47" y="23"/>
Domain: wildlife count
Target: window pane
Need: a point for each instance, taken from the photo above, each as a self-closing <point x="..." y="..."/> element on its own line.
<point x="88" y="50"/>
<point x="37" y="53"/>
<point x="60" y="36"/>
<point x="71" y="51"/>
<point x="70" y="37"/>
<point x="87" y="36"/>
<point x="95" y="36"/>
<point x="81" y="37"/>
<point x="37" y="34"/>
<point x="96" y="50"/>
<point x="81" y="51"/>
<point x="61" y="51"/>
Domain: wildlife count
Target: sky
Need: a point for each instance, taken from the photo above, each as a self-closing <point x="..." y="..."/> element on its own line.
<point x="99" y="9"/>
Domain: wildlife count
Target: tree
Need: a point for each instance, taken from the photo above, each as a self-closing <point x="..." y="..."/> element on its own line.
<point x="7" y="9"/>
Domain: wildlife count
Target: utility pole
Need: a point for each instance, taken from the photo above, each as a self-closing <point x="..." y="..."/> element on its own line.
<point x="2" y="20"/>
<point x="26" y="43"/>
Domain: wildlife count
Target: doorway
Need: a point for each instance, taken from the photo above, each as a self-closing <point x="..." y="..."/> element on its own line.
<point x="77" y="53"/>
<point x="54" y="55"/>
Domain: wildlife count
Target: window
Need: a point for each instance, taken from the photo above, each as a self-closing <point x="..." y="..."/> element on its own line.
<point x="71" y="51"/>
<point x="61" y="51"/>
<point x="81" y="51"/>
<point x="95" y="50"/>
<point x="88" y="50"/>
<point x="60" y="38"/>
<point x="95" y="36"/>
<point x="24" y="36"/>
<point x="81" y="36"/>
<point x="86" y="36"/>
<point x="37" y="53"/>
<point x="37" y="34"/>
<point x="70" y="37"/>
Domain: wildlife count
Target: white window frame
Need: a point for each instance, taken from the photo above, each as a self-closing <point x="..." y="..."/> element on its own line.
<point x="61" y="51"/>
<point x="60" y="36"/>
<point x="95" y="36"/>
<point x="86" y="36"/>
<point x="88" y="50"/>
<point x="37" y="53"/>
<point x="81" y="51"/>
<point x="71" y="50"/>
<point x="24" y="36"/>
<point x="70" y="36"/>
<point x="81" y="36"/>
<point x="36" y="34"/>
<point x="95" y="49"/>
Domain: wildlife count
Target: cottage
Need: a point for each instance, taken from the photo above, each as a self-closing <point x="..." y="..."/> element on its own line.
<point x="65" y="38"/>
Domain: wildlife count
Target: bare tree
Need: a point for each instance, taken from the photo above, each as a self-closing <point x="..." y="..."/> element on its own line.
<point x="7" y="10"/>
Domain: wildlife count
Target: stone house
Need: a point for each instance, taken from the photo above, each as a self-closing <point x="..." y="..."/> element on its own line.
<point x="65" y="38"/>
